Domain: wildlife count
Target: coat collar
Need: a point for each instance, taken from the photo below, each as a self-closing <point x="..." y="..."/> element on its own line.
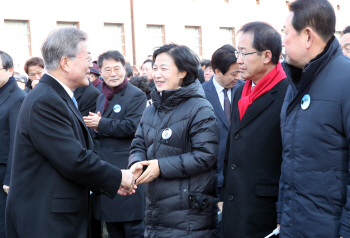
<point x="257" y="107"/>
<point x="63" y="94"/>
<point x="7" y="92"/>
<point x="117" y="99"/>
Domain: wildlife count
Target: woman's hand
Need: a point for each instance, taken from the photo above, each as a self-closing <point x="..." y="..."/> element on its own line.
<point x="136" y="169"/>
<point x="152" y="172"/>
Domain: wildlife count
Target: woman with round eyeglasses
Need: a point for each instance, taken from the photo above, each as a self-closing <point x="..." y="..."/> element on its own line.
<point x="175" y="150"/>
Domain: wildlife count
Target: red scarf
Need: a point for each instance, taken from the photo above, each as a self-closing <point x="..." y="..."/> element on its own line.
<point x="109" y="93"/>
<point x="265" y="84"/>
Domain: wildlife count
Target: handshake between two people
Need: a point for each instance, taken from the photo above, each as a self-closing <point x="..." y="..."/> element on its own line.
<point x="136" y="175"/>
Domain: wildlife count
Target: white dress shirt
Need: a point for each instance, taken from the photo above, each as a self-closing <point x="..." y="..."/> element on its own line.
<point x="70" y="93"/>
<point x="220" y="91"/>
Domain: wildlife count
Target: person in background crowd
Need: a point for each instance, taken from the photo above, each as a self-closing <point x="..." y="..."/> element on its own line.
<point x="177" y="141"/>
<point x="95" y="77"/>
<point x="346" y="30"/>
<point x="53" y="167"/>
<point x="118" y="112"/>
<point x="252" y="165"/>
<point x="21" y="81"/>
<point x="201" y="68"/>
<point x="147" y="70"/>
<point x="219" y="91"/>
<point x="136" y="70"/>
<point x="345" y="44"/>
<point x="34" y="67"/>
<point x="314" y="198"/>
<point x="208" y="73"/>
<point x="129" y="71"/>
<point x="11" y="98"/>
<point x="143" y="84"/>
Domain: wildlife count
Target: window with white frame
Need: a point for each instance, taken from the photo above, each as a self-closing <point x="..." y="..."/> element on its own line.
<point x="17" y="40"/>
<point x="67" y="24"/>
<point x="114" y="37"/>
<point x="154" y="38"/>
<point x="193" y="39"/>
<point x="227" y="35"/>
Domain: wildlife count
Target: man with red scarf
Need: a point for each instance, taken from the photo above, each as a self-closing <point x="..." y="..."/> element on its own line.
<point x="254" y="149"/>
<point x="118" y="113"/>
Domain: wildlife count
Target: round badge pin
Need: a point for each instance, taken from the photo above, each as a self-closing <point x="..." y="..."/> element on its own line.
<point x="305" y="102"/>
<point x="117" y="108"/>
<point x="167" y="133"/>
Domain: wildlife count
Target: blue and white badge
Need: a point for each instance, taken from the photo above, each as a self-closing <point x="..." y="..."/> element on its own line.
<point x="167" y="133"/>
<point x="305" y="102"/>
<point x="117" y="108"/>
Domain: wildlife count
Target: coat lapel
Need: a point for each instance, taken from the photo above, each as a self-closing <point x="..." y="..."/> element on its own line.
<point x="64" y="95"/>
<point x="257" y="107"/>
<point x="5" y="94"/>
<point x="214" y="99"/>
<point x="115" y="100"/>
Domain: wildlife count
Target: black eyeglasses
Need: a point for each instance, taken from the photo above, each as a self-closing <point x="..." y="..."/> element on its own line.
<point x="244" y="55"/>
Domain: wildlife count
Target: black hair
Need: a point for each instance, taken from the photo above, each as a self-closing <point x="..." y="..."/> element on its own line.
<point x="6" y="59"/>
<point x="316" y="14"/>
<point x="346" y="30"/>
<point x="129" y="70"/>
<point x="112" y="54"/>
<point x="184" y="58"/>
<point x="205" y="63"/>
<point x="141" y="82"/>
<point x="265" y="37"/>
<point x="223" y="58"/>
<point x="148" y="61"/>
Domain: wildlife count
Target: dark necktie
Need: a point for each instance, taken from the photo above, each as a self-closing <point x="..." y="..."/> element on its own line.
<point x="227" y="107"/>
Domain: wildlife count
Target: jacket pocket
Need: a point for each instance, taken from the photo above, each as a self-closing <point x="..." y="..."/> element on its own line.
<point x="65" y="205"/>
<point x="267" y="190"/>
<point x="331" y="184"/>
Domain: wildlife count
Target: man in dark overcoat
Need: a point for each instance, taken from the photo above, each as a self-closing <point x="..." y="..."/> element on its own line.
<point x="254" y="149"/>
<point x="118" y="113"/>
<point x="53" y="167"/>
<point x="11" y="98"/>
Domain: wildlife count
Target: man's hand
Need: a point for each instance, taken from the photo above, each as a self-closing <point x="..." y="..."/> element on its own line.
<point x="128" y="181"/>
<point x="220" y="205"/>
<point x="34" y="83"/>
<point x="92" y="120"/>
<point x="6" y="189"/>
<point x="123" y="191"/>
<point x="152" y="172"/>
<point x="136" y="169"/>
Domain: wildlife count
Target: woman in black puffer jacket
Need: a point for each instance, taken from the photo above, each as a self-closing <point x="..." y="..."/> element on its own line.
<point x="177" y="141"/>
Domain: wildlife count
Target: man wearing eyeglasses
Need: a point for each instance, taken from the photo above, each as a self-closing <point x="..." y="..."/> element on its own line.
<point x="53" y="167"/>
<point x="11" y="98"/>
<point x="254" y="148"/>
<point x="118" y="113"/>
<point x="345" y="44"/>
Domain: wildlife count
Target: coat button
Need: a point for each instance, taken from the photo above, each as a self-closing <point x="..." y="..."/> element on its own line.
<point x="185" y="190"/>
<point x="233" y="166"/>
<point x="230" y="198"/>
<point x="236" y="136"/>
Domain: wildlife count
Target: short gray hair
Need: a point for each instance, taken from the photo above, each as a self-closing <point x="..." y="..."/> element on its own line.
<point x="61" y="43"/>
<point x="6" y="59"/>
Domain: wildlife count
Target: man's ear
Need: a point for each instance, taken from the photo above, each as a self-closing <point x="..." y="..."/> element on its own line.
<point x="64" y="63"/>
<point x="267" y="56"/>
<point x="310" y="36"/>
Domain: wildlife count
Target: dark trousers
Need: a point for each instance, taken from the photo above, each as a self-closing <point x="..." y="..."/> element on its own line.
<point x="130" y="229"/>
<point x="3" y="197"/>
